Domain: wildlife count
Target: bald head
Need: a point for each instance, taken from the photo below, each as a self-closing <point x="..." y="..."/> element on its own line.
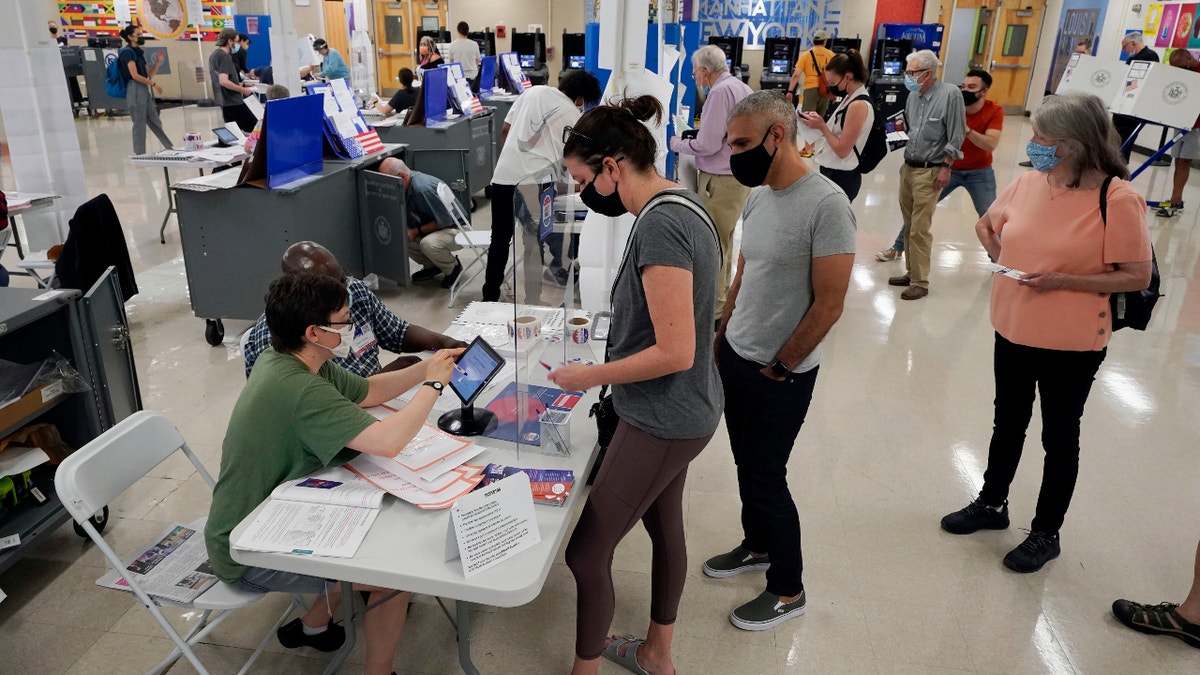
<point x="309" y="256"/>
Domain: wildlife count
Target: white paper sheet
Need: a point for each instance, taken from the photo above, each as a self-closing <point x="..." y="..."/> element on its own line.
<point x="255" y="106"/>
<point x="492" y="525"/>
<point x="310" y="529"/>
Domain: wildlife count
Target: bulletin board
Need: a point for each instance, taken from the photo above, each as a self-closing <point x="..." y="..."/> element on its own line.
<point x="81" y="20"/>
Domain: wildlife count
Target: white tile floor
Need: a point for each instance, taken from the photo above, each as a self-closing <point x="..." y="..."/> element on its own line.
<point x="896" y="438"/>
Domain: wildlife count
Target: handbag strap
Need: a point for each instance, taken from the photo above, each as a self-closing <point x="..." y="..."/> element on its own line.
<point x="862" y="93"/>
<point x="660" y="198"/>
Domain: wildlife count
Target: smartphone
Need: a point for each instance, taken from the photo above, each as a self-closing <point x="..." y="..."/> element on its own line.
<point x="601" y="324"/>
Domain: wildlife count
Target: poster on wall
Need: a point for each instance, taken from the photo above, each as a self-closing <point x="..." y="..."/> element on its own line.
<point x="1166" y="26"/>
<point x="81" y="20"/>
<point x="1153" y="18"/>
<point x="1081" y="20"/>
<point x="1183" y="26"/>
<point x="756" y="21"/>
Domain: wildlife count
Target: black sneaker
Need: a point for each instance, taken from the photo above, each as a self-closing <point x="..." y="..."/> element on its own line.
<point x="766" y="611"/>
<point x="734" y="563"/>
<point x="1160" y="619"/>
<point x="976" y="516"/>
<point x="1038" y="549"/>
<point x="426" y="273"/>
<point x="448" y="281"/>
<point x="292" y="636"/>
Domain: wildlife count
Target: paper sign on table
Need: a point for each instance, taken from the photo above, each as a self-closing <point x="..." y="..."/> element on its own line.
<point x="490" y="526"/>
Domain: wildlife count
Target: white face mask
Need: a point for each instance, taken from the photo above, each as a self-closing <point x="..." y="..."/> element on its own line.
<point x="347" y="336"/>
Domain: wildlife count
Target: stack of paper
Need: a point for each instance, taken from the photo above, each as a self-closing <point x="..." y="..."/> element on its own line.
<point x="431" y="472"/>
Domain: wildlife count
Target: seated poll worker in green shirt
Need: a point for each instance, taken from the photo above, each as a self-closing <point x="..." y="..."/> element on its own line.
<point x="300" y="412"/>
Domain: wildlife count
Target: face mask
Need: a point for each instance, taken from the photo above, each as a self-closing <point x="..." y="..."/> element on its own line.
<point x="141" y="41"/>
<point x="237" y="48"/>
<point x="750" y="168"/>
<point x="1042" y="156"/>
<point x="911" y="83"/>
<point x="605" y="205"/>
<point x="837" y="90"/>
<point x="343" y="349"/>
<point x="970" y="97"/>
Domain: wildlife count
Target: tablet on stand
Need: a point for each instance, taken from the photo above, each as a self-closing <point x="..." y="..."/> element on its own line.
<point x="472" y="373"/>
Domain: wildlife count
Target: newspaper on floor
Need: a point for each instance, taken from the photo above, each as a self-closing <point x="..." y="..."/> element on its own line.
<point x="174" y="568"/>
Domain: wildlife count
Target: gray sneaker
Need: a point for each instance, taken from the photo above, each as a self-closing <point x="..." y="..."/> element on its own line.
<point x="766" y="611"/>
<point x="734" y="563"/>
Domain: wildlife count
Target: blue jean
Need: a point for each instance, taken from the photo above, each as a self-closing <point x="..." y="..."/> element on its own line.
<point x="979" y="183"/>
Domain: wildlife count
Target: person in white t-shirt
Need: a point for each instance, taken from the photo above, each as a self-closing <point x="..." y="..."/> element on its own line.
<point x="464" y="50"/>
<point x="533" y="147"/>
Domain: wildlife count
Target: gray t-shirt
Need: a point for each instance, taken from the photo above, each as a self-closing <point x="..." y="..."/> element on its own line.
<point x="221" y="61"/>
<point x="686" y="404"/>
<point x="782" y="231"/>
<point x="466" y="52"/>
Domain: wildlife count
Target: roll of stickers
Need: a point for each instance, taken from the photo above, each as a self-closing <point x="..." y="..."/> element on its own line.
<point x="191" y="141"/>
<point x="579" y="329"/>
<point x="524" y="328"/>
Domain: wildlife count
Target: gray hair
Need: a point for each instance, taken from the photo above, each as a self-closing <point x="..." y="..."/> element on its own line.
<point x="924" y="58"/>
<point x="1134" y="37"/>
<point x="1081" y="124"/>
<point x="277" y="91"/>
<point x="710" y="58"/>
<point x="767" y="109"/>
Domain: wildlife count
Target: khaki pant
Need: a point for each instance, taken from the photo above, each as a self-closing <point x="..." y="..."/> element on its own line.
<point x="918" y="198"/>
<point x="723" y="198"/>
<point x="814" y="102"/>
<point x="436" y="248"/>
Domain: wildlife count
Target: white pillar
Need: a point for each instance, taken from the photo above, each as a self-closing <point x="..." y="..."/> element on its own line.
<point x="38" y="122"/>
<point x="285" y="60"/>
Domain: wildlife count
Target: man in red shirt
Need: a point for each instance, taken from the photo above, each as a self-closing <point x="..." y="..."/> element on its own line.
<point x="973" y="172"/>
<point x="1185" y="150"/>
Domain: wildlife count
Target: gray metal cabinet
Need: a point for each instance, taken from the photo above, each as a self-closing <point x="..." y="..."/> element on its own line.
<point x="92" y="332"/>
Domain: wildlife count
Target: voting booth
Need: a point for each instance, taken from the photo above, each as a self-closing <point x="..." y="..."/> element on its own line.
<point x="1159" y="93"/>
<point x="1092" y="75"/>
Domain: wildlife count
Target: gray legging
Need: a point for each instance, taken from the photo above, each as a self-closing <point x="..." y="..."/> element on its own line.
<point x="144" y="113"/>
<point x="641" y="479"/>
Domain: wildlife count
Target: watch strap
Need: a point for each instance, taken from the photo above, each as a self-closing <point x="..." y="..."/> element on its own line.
<point x="437" y="386"/>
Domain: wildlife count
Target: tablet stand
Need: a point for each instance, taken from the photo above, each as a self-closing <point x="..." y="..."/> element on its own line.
<point x="468" y="421"/>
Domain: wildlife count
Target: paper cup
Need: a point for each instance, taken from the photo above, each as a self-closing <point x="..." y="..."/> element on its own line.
<point x="579" y="329"/>
<point x="524" y="328"/>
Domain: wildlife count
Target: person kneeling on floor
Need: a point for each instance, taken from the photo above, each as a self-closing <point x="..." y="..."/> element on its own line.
<point x="431" y="228"/>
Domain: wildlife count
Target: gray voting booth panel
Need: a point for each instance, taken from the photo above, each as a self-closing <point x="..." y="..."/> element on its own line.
<point x="500" y="113"/>
<point x="233" y="239"/>
<point x="94" y="76"/>
<point x="473" y="135"/>
<point x="383" y="218"/>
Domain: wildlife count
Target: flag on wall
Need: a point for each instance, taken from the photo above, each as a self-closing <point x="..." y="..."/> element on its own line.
<point x="162" y="18"/>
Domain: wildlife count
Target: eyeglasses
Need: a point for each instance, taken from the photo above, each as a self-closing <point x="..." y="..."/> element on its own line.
<point x="339" y="323"/>
<point x="570" y="131"/>
<point x="914" y="73"/>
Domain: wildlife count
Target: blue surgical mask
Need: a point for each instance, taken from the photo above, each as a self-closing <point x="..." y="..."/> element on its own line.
<point x="706" y="90"/>
<point x="237" y="48"/>
<point x="1042" y="156"/>
<point x="911" y="83"/>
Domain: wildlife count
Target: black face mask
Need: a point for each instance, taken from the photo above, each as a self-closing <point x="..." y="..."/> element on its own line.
<point x="970" y="97"/>
<point x="750" y="168"/>
<point x="53" y="30"/>
<point x="837" y="90"/>
<point x="605" y="205"/>
<point x="141" y="41"/>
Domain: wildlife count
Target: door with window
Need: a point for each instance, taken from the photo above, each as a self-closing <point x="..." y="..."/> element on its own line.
<point x="396" y="26"/>
<point x="1014" y="41"/>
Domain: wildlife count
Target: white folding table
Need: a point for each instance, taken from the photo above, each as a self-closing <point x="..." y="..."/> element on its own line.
<point x="178" y="158"/>
<point x="418" y="564"/>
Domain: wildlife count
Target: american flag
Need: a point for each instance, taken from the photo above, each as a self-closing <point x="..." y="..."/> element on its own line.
<point x="364" y="144"/>
<point x="474" y="106"/>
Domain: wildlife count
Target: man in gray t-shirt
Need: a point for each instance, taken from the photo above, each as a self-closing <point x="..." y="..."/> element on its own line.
<point x="228" y="89"/>
<point x="464" y="50"/>
<point x="793" y="272"/>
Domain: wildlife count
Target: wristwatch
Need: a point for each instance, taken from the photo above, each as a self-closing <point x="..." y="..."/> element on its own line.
<point x="437" y="386"/>
<point x="780" y="368"/>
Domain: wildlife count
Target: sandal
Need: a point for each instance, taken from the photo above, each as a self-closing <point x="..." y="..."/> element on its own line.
<point x="628" y="660"/>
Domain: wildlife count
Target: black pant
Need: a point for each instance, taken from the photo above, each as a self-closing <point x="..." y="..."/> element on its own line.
<point x="1063" y="379"/>
<point x="1125" y="126"/>
<point x="763" y="417"/>
<point x="849" y="180"/>
<point x="241" y="114"/>
<point x="503" y="222"/>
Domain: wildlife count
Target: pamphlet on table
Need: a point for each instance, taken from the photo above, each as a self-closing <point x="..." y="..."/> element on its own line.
<point x="519" y="407"/>
<point x="548" y="486"/>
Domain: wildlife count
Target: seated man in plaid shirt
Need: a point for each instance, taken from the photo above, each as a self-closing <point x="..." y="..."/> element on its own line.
<point x="375" y="326"/>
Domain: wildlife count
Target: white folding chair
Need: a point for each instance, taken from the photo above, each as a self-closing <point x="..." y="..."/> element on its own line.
<point x="40" y="267"/>
<point x="97" y="473"/>
<point x="474" y="242"/>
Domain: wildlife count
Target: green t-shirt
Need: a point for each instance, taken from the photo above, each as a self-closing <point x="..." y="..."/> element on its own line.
<point x="287" y="423"/>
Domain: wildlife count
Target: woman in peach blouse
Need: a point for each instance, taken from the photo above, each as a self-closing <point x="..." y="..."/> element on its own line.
<point x="1052" y="324"/>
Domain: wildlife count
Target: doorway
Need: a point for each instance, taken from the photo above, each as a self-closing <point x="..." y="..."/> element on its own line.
<point x="999" y="36"/>
<point x="396" y="24"/>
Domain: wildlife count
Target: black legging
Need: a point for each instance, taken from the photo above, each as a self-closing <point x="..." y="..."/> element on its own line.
<point x="641" y="479"/>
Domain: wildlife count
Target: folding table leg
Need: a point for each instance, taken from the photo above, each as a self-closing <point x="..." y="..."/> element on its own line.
<point x="462" y="620"/>
<point x="339" y="657"/>
<point x="162" y="237"/>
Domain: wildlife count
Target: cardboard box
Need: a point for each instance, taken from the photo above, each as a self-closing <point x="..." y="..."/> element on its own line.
<point x="1161" y="94"/>
<point x="1091" y="75"/>
<point x="30" y="403"/>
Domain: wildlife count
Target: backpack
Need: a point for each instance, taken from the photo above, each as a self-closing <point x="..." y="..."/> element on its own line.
<point x="114" y="79"/>
<point x="822" y="85"/>
<point x="1131" y="308"/>
<point x="876" y="147"/>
